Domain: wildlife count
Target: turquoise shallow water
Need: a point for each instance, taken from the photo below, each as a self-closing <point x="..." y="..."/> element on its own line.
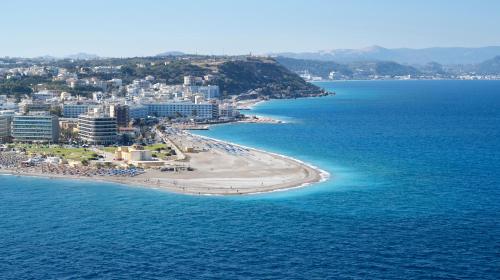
<point x="414" y="194"/>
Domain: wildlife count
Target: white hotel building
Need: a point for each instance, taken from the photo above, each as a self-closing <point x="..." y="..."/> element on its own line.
<point x="205" y="111"/>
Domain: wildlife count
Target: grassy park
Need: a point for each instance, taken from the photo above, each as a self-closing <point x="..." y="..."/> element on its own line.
<point x="81" y="154"/>
<point x="59" y="151"/>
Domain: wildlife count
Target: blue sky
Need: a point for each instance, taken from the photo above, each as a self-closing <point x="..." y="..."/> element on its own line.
<point x="148" y="27"/>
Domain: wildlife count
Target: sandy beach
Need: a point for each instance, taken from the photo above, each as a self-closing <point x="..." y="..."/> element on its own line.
<point x="220" y="168"/>
<point x="249" y="104"/>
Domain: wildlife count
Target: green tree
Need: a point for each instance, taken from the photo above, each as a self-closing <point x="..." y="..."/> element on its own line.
<point x="56" y="110"/>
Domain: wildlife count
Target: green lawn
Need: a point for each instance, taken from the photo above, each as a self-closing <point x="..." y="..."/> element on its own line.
<point x="66" y="153"/>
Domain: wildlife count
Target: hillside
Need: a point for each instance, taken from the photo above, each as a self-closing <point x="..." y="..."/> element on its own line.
<point x="491" y="66"/>
<point x="234" y="76"/>
<point x="269" y="78"/>
<point x="314" y="67"/>
<point x="357" y="70"/>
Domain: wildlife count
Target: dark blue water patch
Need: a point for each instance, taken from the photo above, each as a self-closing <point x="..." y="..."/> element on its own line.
<point x="413" y="195"/>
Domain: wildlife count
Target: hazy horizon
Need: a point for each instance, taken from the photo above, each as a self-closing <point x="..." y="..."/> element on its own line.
<point x="128" y="28"/>
<point x="237" y="54"/>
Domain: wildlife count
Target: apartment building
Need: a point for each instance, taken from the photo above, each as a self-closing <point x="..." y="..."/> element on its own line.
<point x="30" y="128"/>
<point x="97" y="128"/>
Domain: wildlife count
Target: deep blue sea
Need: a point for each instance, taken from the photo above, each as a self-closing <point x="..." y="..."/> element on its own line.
<point x="414" y="194"/>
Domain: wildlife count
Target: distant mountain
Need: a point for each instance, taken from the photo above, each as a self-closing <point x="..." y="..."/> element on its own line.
<point x="46" y="57"/>
<point x="432" y="68"/>
<point x="445" y="56"/>
<point x="491" y="66"/>
<point x="171" y="53"/>
<point x="314" y="67"/>
<point x="82" y="56"/>
<point x="356" y="70"/>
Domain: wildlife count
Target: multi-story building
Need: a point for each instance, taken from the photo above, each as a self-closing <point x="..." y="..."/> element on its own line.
<point x="192" y="80"/>
<point x="97" y="128"/>
<point x="228" y="111"/>
<point x="183" y="110"/>
<point x="209" y="92"/>
<point x="43" y="96"/>
<point x="188" y="80"/>
<point x="121" y="113"/>
<point x="143" y="84"/>
<point x="68" y="124"/>
<point x="35" y="128"/>
<point x="138" y="111"/>
<point x="5" y="124"/>
<point x="6" y="104"/>
<point x="36" y="106"/>
<point x="75" y="110"/>
<point x="4" y="128"/>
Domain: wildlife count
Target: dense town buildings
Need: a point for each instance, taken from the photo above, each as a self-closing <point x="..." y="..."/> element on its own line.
<point x="104" y="115"/>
